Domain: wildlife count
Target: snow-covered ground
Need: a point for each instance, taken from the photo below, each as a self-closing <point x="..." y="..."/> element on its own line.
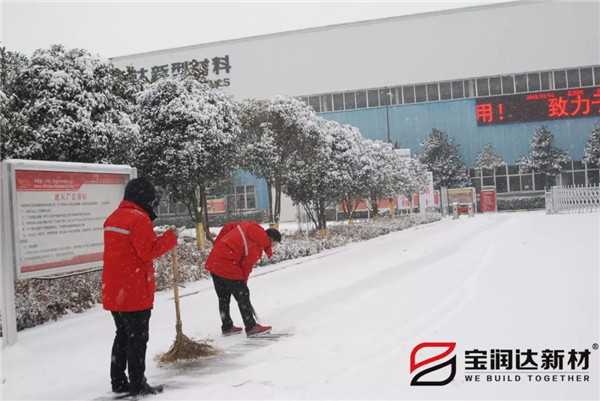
<point x="511" y="281"/>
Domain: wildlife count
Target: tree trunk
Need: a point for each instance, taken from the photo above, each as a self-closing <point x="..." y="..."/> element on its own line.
<point x="205" y="214"/>
<point x="278" y="189"/>
<point x="198" y="221"/>
<point x="270" y="216"/>
<point x="392" y="208"/>
<point x="374" y="207"/>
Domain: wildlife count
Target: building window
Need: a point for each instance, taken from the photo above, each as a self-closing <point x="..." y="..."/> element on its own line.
<point x="349" y="100"/>
<point x="526" y="182"/>
<point x="495" y="86"/>
<point x="361" y="100"/>
<point x="445" y="91"/>
<point x="338" y="101"/>
<point x="533" y="82"/>
<point x="397" y="99"/>
<point x="546" y="80"/>
<point x="408" y="93"/>
<point x="587" y="77"/>
<point x="315" y="103"/>
<point x="483" y="88"/>
<point x="560" y="80"/>
<point x="420" y="93"/>
<point x="597" y="75"/>
<point x="521" y="83"/>
<point x="385" y="97"/>
<point x="432" y="92"/>
<point x="245" y="197"/>
<point x="508" y="84"/>
<point x="373" y="96"/>
<point x="469" y="88"/>
<point x="458" y="91"/>
<point x="514" y="182"/>
<point x="326" y="103"/>
<point x="573" y="78"/>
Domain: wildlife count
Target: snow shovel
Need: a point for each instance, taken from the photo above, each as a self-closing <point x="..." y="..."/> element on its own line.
<point x="183" y="348"/>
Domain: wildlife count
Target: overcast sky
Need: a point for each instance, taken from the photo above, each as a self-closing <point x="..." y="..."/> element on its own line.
<point x="121" y="28"/>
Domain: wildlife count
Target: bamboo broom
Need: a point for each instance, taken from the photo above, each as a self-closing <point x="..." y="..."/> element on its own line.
<point x="183" y="348"/>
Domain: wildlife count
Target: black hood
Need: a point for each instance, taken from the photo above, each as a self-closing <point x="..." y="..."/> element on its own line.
<point x="142" y="193"/>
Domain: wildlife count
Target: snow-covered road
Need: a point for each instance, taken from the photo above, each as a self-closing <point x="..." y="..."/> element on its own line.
<point x="511" y="281"/>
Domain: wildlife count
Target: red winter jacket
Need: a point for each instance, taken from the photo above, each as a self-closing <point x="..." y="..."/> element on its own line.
<point x="237" y="248"/>
<point x="130" y="245"/>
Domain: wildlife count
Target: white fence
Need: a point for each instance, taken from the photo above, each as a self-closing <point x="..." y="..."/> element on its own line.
<point x="573" y="199"/>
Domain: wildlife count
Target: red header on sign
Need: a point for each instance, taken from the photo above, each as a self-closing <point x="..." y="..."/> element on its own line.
<point x="31" y="180"/>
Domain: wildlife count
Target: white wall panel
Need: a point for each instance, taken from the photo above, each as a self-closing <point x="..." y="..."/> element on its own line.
<point x="478" y="41"/>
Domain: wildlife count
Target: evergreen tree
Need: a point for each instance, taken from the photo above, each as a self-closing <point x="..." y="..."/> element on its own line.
<point x="544" y="157"/>
<point x="293" y="130"/>
<point x="441" y="156"/>
<point x="259" y="153"/>
<point x="354" y="162"/>
<point x="488" y="159"/>
<point x="592" y="150"/>
<point x="189" y="135"/>
<point x="12" y="65"/>
<point x="311" y="178"/>
<point x="71" y="110"/>
<point x="273" y="131"/>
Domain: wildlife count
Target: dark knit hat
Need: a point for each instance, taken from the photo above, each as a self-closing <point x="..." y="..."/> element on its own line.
<point x="141" y="192"/>
<point x="273" y="234"/>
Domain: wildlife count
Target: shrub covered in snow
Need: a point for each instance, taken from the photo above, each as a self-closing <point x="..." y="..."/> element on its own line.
<point x="41" y="300"/>
<point x="524" y="202"/>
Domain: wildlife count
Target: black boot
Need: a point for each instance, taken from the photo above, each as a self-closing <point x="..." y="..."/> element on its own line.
<point x="145" y="389"/>
<point x="120" y="388"/>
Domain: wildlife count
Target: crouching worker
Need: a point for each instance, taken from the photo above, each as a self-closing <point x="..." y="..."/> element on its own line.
<point x="237" y="248"/>
<point x="128" y="285"/>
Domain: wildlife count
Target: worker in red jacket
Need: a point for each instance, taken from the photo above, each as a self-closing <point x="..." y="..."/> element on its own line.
<point x="237" y="248"/>
<point x="128" y="285"/>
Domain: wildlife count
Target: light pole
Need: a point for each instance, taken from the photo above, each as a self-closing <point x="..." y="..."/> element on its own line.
<point x="387" y="114"/>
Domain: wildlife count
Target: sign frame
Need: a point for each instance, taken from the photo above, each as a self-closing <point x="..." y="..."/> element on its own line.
<point x="10" y="268"/>
<point x="12" y="166"/>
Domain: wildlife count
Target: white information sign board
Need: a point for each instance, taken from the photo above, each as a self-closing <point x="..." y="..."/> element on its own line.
<point x="53" y="215"/>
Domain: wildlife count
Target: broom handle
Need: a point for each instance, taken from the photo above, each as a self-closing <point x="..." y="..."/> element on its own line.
<point x="178" y="324"/>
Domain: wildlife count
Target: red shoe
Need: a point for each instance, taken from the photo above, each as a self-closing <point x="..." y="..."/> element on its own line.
<point x="232" y="330"/>
<point x="258" y="330"/>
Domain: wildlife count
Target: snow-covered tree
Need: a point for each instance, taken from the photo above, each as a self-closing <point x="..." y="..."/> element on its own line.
<point x="353" y="160"/>
<point x="273" y="131"/>
<point x="71" y="110"/>
<point x="189" y="135"/>
<point x="258" y="149"/>
<point x="416" y="179"/>
<point x="385" y="173"/>
<point x="488" y="159"/>
<point x="441" y="156"/>
<point x="592" y="150"/>
<point x="544" y="157"/>
<point x="292" y="124"/>
<point x="313" y="177"/>
<point x="12" y="65"/>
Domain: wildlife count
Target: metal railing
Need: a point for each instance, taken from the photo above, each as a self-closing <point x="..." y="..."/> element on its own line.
<point x="573" y="199"/>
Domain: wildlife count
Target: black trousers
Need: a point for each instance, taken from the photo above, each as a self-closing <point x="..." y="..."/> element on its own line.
<point x="225" y="288"/>
<point x="129" y="348"/>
